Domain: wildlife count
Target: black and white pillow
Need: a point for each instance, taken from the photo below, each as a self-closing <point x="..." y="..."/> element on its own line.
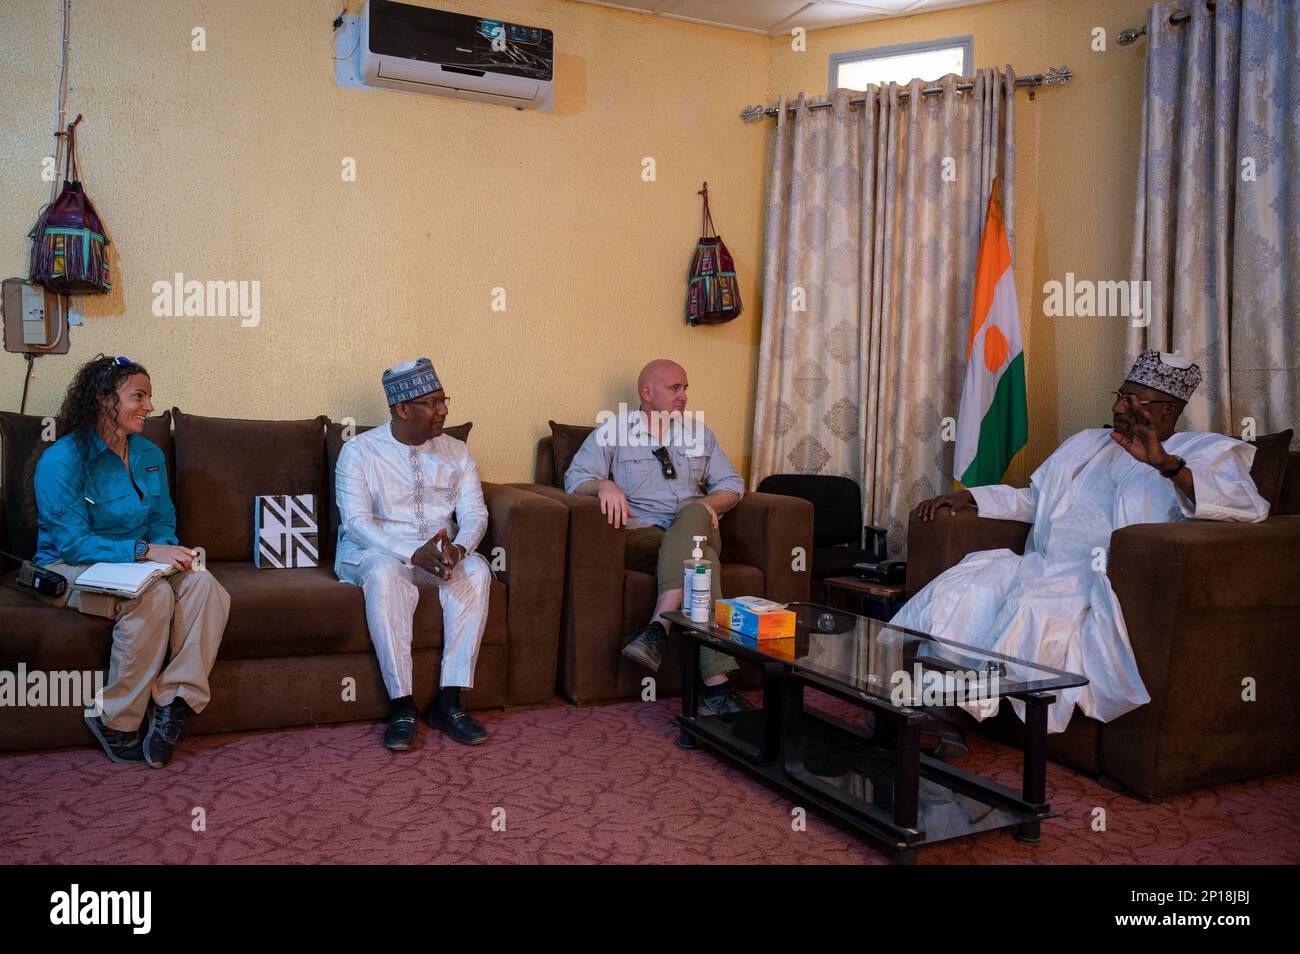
<point x="287" y="531"/>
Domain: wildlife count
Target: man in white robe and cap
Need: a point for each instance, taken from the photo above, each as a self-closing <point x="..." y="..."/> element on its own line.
<point x="1055" y="605"/>
<point x="411" y="513"/>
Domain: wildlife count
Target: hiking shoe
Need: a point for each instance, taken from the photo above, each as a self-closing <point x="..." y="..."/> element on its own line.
<point x="167" y="728"/>
<point x="723" y="700"/>
<point x="119" y="746"/>
<point x="648" y="646"/>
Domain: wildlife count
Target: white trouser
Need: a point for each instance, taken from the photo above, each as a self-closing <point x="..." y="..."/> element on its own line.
<point x="391" y="593"/>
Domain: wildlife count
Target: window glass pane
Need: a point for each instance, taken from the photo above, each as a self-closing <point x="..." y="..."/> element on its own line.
<point x="901" y="68"/>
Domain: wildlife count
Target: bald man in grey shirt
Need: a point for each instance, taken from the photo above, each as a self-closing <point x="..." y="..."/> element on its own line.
<point x="663" y="476"/>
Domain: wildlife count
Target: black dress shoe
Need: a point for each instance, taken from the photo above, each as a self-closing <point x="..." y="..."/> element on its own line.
<point x="166" y="729"/>
<point x="648" y="646"/>
<point x="403" y="727"/>
<point x="119" y="746"/>
<point x="458" y="724"/>
<point x="950" y="738"/>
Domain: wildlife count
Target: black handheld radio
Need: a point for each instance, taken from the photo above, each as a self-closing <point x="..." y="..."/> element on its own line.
<point x="37" y="578"/>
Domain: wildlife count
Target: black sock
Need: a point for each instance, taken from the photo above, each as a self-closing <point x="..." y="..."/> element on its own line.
<point x="404" y="705"/>
<point x="448" y="698"/>
<point x="714" y="690"/>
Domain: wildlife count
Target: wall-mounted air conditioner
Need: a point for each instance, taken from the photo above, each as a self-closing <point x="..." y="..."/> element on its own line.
<point x="401" y="46"/>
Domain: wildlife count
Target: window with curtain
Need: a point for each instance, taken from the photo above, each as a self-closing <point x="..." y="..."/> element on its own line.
<point x="928" y="61"/>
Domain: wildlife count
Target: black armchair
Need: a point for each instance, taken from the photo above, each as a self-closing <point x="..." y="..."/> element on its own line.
<point x="840" y="539"/>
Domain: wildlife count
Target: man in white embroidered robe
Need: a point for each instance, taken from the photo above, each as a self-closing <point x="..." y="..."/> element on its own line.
<point x="411" y="512"/>
<point x="1055" y="605"/>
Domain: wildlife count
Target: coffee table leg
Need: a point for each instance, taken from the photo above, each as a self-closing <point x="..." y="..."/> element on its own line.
<point x="773" y="710"/>
<point x="1034" y="790"/>
<point x="907" y="771"/>
<point x="792" y="728"/>
<point x="690" y="685"/>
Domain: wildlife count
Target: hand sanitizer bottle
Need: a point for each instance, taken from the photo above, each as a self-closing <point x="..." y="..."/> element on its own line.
<point x="697" y="589"/>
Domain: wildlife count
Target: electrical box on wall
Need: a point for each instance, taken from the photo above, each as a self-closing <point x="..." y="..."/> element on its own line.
<point x="35" y="320"/>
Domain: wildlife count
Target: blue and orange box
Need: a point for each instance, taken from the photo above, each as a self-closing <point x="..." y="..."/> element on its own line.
<point x="755" y="617"/>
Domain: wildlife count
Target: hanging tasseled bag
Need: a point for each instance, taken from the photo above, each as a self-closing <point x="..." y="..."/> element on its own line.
<point x="713" y="294"/>
<point x="68" y="242"/>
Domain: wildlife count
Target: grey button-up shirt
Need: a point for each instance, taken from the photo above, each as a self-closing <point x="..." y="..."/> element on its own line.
<point x="622" y="449"/>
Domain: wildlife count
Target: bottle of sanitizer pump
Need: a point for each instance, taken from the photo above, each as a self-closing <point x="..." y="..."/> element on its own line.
<point x="697" y="574"/>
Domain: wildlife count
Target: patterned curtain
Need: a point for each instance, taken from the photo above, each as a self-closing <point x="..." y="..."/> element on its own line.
<point x="1217" y="231"/>
<point x="873" y="219"/>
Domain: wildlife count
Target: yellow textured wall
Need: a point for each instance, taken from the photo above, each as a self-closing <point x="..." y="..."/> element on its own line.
<point x="226" y="164"/>
<point x="1076" y="177"/>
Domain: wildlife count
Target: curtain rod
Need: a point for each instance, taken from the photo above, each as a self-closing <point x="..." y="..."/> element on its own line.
<point x="1131" y="36"/>
<point x="1052" y="76"/>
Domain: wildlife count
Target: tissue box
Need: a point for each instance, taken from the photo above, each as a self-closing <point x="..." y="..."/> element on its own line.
<point x="755" y="617"/>
<point x="779" y="647"/>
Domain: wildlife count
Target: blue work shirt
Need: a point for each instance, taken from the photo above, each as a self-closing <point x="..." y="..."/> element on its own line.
<point x="621" y="449"/>
<point x="87" y="510"/>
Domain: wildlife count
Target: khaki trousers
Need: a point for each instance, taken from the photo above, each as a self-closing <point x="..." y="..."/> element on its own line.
<point x="164" y="641"/>
<point x="662" y="552"/>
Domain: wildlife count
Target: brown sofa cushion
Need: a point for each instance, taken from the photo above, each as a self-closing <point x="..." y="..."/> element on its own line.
<point x="565" y="441"/>
<point x="308" y="612"/>
<point x="273" y="613"/>
<point x="544" y="461"/>
<point x="334" y="447"/>
<point x="1289" y="499"/>
<point x="302" y="612"/>
<point x="46" y="637"/>
<point x="223" y="463"/>
<point x="20" y="448"/>
<point x="1268" y="470"/>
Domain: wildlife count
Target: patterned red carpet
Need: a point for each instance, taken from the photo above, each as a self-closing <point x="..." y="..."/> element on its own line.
<point x="604" y="785"/>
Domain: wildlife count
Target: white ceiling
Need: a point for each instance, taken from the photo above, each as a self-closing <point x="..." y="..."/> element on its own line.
<point x="780" y="16"/>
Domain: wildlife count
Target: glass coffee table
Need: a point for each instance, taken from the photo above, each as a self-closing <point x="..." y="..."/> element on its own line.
<point x="871" y="773"/>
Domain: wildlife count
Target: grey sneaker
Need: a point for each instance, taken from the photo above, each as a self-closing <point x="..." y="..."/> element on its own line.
<point x="648" y="646"/>
<point x="167" y="728"/>
<point x="118" y="746"/>
<point x="723" y="700"/>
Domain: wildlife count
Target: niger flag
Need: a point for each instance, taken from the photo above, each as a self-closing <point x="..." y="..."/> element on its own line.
<point x="992" y="423"/>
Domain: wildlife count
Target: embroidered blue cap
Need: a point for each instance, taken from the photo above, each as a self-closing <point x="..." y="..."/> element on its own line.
<point x="410" y="380"/>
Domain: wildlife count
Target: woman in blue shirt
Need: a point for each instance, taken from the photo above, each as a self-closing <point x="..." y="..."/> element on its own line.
<point x="102" y="497"/>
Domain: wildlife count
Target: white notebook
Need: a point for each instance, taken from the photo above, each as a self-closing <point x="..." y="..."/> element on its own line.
<point x="122" y="579"/>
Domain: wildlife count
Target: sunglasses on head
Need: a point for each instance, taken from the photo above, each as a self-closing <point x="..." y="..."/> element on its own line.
<point x="119" y="362"/>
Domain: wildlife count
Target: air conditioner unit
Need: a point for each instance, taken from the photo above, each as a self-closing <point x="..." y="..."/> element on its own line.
<point x="450" y="54"/>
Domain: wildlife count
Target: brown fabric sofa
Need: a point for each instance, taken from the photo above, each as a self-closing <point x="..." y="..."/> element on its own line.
<point x="605" y="603"/>
<point x="1207" y="605"/>
<point x="293" y="636"/>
